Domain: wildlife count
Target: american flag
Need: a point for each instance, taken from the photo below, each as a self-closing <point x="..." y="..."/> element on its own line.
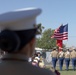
<point x="61" y="33"/>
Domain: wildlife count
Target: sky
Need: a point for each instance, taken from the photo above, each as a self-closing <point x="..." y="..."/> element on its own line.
<point x="54" y="13"/>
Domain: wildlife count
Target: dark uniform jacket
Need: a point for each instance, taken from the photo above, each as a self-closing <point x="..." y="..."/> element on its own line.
<point x="21" y="66"/>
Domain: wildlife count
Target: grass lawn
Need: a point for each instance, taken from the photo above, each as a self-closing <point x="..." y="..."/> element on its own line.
<point x="64" y="72"/>
<point x="68" y="72"/>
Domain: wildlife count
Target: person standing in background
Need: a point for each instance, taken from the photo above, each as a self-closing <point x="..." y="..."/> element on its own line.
<point x="54" y="55"/>
<point x="73" y="58"/>
<point x="67" y="59"/>
<point x="61" y="59"/>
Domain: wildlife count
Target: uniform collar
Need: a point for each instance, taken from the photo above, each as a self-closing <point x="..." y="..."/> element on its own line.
<point x="14" y="57"/>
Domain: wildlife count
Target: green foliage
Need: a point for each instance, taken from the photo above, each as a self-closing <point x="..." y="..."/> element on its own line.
<point x="45" y="41"/>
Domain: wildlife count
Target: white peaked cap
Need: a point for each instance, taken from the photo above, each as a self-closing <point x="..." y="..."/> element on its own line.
<point x="20" y="19"/>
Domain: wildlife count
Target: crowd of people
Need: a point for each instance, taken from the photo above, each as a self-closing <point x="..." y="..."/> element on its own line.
<point x="61" y="56"/>
<point x="38" y="61"/>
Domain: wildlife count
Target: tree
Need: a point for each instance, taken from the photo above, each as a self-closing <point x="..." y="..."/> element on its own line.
<point x="45" y="40"/>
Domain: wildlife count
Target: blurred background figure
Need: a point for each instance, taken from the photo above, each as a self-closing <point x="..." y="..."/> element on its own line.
<point x="54" y="55"/>
<point x="73" y="58"/>
<point x="38" y="55"/>
<point x="35" y="62"/>
<point x="67" y="58"/>
<point x="41" y="62"/>
<point x="61" y="59"/>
